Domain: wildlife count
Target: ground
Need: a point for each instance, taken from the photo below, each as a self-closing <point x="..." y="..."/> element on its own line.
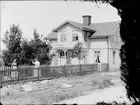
<point x="59" y="90"/>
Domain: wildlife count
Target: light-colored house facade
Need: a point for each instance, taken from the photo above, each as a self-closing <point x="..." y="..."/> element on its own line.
<point x="99" y="39"/>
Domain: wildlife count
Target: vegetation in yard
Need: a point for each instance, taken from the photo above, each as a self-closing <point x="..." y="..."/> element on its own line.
<point x="52" y="90"/>
<point x="78" y="52"/>
<point x="111" y="103"/>
<point x="105" y="83"/>
<point x="25" y="51"/>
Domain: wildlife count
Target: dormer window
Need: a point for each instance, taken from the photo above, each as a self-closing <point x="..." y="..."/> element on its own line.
<point x="75" y="35"/>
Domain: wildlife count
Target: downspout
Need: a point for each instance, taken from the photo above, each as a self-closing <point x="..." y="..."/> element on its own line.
<point x="108" y="48"/>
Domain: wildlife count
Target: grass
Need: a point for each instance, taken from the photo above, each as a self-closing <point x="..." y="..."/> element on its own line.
<point x="81" y="85"/>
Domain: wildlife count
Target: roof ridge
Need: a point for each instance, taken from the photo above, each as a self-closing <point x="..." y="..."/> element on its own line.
<point x="106" y="22"/>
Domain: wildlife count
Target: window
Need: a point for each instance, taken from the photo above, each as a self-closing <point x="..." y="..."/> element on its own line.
<point x="97" y="56"/>
<point x="63" y="36"/>
<point x="114" y="57"/>
<point x="85" y="35"/>
<point x="75" y="38"/>
<point x="61" y="53"/>
<point x="75" y="35"/>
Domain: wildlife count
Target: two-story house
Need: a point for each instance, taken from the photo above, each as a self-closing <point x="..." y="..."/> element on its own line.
<point x="99" y="39"/>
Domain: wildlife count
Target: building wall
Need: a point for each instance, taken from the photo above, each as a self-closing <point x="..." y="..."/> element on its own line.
<point x="68" y="29"/>
<point x="114" y="61"/>
<point x="104" y="45"/>
<point x="115" y="45"/>
<point x="98" y="45"/>
<point x="107" y="48"/>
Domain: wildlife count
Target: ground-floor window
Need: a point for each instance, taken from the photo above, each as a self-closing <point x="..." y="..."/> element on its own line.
<point x="61" y="53"/>
<point x="114" y="53"/>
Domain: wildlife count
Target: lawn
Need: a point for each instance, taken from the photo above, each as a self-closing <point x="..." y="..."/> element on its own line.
<point x="59" y="89"/>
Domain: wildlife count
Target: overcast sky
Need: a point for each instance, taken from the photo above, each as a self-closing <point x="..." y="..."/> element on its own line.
<point x="46" y="15"/>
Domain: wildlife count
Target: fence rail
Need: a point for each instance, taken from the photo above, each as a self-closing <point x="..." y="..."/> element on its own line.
<point x="9" y="75"/>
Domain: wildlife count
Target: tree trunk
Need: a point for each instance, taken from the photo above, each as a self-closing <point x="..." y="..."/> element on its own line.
<point x="80" y="65"/>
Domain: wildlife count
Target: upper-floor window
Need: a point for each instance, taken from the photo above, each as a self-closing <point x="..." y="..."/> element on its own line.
<point x="75" y="35"/>
<point x="63" y="36"/>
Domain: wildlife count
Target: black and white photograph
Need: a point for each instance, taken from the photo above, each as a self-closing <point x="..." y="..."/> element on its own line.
<point x="69" y="52"/>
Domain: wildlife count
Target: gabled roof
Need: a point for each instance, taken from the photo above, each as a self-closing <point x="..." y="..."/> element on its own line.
<point x="100" y="29"/>
<point x="76" y="24"/>
<point x="105" y="28"/>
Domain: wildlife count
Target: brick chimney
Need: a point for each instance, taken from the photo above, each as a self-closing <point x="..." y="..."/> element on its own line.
<point x="86" y="20"/>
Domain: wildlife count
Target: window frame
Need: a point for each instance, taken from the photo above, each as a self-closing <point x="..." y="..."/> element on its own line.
<point x="75" y="36"/>
<point x="113" y="55"/>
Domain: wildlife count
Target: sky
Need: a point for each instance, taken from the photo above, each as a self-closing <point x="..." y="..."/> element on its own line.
<point x="46" y="15"/>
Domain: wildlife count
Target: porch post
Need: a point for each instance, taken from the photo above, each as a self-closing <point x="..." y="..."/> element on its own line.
<point x="65" y="50"/>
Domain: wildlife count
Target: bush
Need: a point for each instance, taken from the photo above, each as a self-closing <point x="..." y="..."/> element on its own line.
<point x="113" y="103"/>
<point x="105" y="83"/>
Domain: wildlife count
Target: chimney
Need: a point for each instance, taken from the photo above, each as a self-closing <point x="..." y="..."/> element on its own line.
<point x="86" y="20"/>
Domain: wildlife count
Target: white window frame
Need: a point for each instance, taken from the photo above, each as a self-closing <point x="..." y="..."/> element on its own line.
<point x="75" y="36"/>
<point x="114" y="56"/>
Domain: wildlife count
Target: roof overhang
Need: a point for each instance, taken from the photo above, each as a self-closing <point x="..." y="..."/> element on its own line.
<point x="99" y="36"/>
<point x="82" y="28"/>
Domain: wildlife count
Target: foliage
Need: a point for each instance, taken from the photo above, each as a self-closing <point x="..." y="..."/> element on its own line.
<point x="25" y="51"/>
<point x="26" y="54"/>
<point x="12" y="40"/>
<point x="40" y="49"/>
<point x="1" y="62"/>
<point x="78" y="51"/>
<point x="113" y="103"/>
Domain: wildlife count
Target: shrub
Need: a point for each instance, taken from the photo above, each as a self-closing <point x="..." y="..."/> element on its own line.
<point x="113" y="103"/>
<point x="105" y="83"/>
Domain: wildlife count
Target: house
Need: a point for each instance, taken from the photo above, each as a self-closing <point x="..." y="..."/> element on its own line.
<point x="99" y="39"/>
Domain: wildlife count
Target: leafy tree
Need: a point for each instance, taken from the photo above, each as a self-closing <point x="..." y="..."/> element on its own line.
<point x="12" y="40"/>
<point x="130" y="51"/>
<point x="78" y="52"/>
<point x="1" y="62"/>
<point x="23" y="50"/>
<point x="40" y="48"/>
<point x="27" y="52"/>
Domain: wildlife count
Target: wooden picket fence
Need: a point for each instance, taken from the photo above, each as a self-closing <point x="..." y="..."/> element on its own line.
<point x="9" y="75"/>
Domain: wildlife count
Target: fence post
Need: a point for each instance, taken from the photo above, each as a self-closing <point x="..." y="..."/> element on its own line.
<point x="64" y="70"/>
<point x="71" y="69"/>
<point x="38" y="72"/>
<point x="1" y="77"/>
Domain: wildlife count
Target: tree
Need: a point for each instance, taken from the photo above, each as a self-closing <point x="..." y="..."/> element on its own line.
<point x="41" y="49"/>
<point x="78" y="52"/>
<point x="27" y="52"/>
<point x="12" y="40"/>
<point x="130" y="51"/>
